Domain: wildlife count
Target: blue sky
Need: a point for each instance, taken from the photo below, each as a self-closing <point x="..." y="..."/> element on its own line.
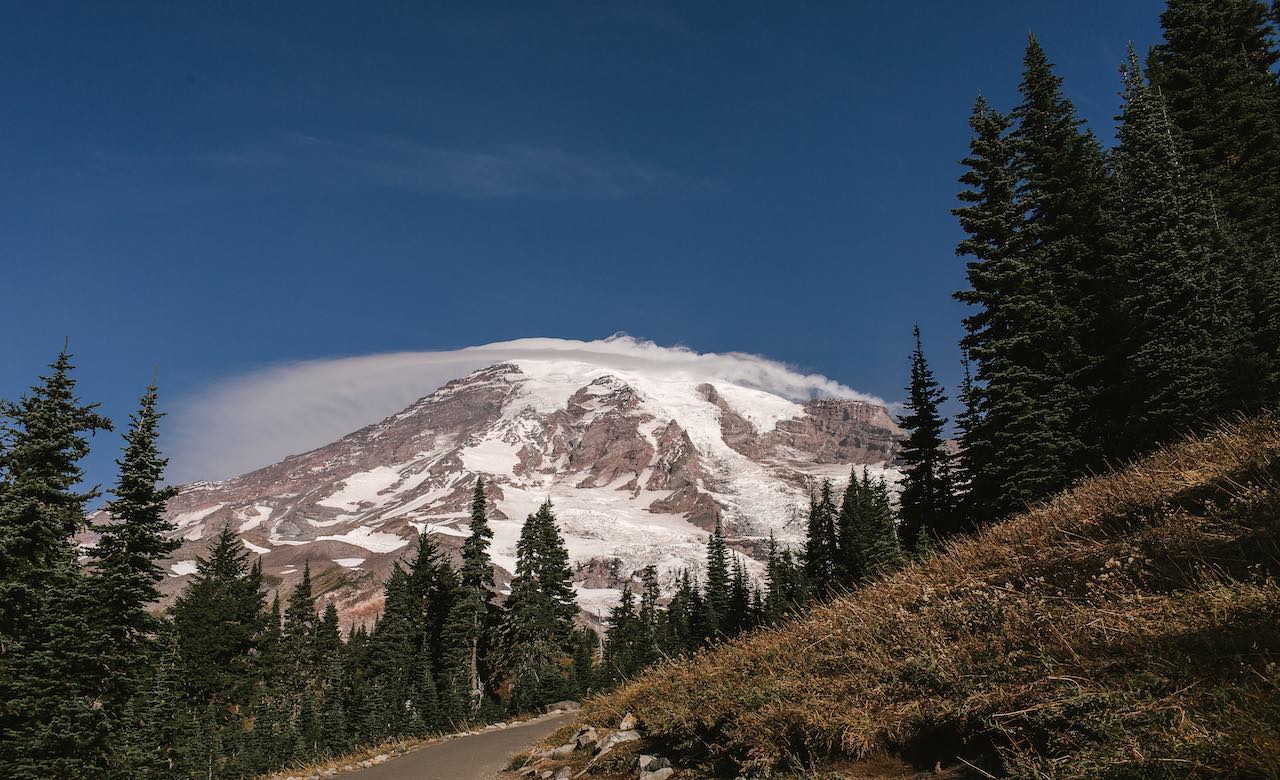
<point x="208" y="189"/>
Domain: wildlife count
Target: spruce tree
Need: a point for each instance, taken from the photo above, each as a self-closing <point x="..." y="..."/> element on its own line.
<point x="219" y="624"/>
<point x="301" y="625"/>
<point x="1067" y="343"/>
<point x="997" y="276"/>
<point x="1186" y="305"/>
<point x="1215" y="72"/>
<point x="467" y="627"/>
<point x="821" y="550"/>
<point x="50" y="665"/>
<point x="537" y="622"/>
<point x="126" y="559"/>
<point x="927" y="501"/>
<point x="717" y="588"/>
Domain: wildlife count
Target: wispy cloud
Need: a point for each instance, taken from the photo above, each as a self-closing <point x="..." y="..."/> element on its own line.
<point x="393" y="162"/>
<point x="250" y="421"/>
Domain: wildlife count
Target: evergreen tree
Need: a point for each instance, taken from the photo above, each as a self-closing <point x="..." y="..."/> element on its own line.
<point x="785" y="583"/>
<point x="219" y="624"/>
<point x="997" y="276"/>
<point x="650" y="617"/>
<point x="717" y="589"/>
<point x="537" y="623"/>
<point x="1067" y="343"/>
<point x="927" y="500"/>
<point x="467" y="627"/>
<point x="738" y="618"/>
<point x="126" y="558"/>
<point x="624" y="640"/>
<point x="821" y="552"/>
<point x="50" y="724"/>
<point x="1216" y="74"/>
<point x="1185" y="306"/>
<point x="393" y="656"/>
<point x="301" y="627"/>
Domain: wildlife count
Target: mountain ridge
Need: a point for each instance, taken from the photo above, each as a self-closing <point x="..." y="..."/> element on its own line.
<point x="637" y="463"/>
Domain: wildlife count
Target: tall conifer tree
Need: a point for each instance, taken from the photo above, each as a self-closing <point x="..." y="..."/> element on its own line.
<point x="126" y="560"/>
<point x="927" y="501"/>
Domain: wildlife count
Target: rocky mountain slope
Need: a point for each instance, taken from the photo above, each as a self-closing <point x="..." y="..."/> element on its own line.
<point x="637" y="464"/>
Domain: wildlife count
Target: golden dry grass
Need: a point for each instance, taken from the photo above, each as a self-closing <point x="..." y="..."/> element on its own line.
<point x="1127" y="628"/>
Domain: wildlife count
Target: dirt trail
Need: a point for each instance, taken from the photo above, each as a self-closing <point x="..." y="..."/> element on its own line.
<point x="478" y="757"/>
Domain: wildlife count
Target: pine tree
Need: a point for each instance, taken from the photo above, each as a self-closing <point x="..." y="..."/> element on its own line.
<point x="126" y="558"/>
<point x="739" y="612"/>
<point x="50" y="724"/>
<point x="219" y="624"/>
<point x="301" y="625"/>
<point x="467" y="627"/>
<point x="997" y="276"/>
<point x="393" y="655"/>
<point x="821" y="551"/>
<point x="785" y="584"/>
<point x="927" y="500"/>
<point x="1216" y="74"/>
<point x="717" y="589"/>
<point x="1186" y="306"/>
<point x="623" y="640"/>
<point x="650" y="617"/>
<point x="537" y="622"/>
<point x="1068" y="339"/>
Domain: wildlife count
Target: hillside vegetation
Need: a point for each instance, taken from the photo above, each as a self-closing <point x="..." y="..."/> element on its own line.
<point x="1126" y="628"/>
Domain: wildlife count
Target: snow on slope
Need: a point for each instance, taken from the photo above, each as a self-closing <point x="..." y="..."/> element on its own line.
<point x="637" y="463"/>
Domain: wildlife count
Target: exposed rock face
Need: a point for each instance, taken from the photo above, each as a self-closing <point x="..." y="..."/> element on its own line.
<point x="638" y="467"/>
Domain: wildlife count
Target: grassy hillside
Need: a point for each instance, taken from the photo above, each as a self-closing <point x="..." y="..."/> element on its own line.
<point x="1128" y="628"/>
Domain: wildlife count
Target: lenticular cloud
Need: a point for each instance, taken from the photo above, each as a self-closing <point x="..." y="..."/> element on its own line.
<point x="249" y="421"/>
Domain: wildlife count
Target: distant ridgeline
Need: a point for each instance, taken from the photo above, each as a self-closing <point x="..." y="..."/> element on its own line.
<point x="1120" y="298"/>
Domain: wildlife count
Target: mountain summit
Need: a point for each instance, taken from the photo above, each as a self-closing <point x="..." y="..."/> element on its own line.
<point x="638" y="463"/>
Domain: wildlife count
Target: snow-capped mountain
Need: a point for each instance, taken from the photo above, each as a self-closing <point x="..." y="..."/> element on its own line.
<point x="637" y="464"/>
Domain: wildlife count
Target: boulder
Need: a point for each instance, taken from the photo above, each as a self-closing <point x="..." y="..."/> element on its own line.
<point x="616" y="738"/>
<point x="585" y="737"/>
<point x="564" y="751"/>
<point x="661" y="774"/>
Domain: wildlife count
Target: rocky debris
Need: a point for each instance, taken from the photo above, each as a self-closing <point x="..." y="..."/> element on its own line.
<point x="585" y="737"/>
<point x="587" y="750"/>
<point x="568" y="705"/>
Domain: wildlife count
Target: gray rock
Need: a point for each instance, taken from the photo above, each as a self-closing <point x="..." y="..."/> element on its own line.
<point x="564" y="751"/>
<point x="661" y="774"/>
<point x="568" y="705"/>
<point x="585" y="737"/>
<point x="564" y="774"/>
<point x="653" y="763"/>
<point x="616" y="738"/>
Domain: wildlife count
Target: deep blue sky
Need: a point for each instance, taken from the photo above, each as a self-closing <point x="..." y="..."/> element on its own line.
<point x="206" y="188"/>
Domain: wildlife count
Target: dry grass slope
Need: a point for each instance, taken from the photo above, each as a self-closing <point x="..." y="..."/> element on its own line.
<point x="1126" y="629"/>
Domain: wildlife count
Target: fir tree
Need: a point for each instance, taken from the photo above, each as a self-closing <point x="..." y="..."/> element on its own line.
<point x="467" y="627"/>
<point x="301" y="624"/>
<point x="998" y="280"/>
<point x="821" y="551"/>
<point x="717" y="589"/>
<point x="50" y="725"/>
<point x="1216" y="74"/>
<point x="927" y="500"/>
<point x="537" y="621"/>
<point x="1185" y="305"/>
<point x="219" y="624"/>
<point x="126" y="558"/>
